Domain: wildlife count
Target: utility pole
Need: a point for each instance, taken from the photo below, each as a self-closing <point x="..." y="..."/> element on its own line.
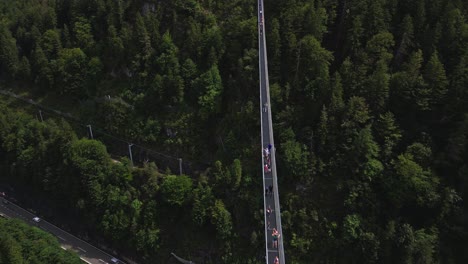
<point x="90" y="132"/>
<point x="130" y="153"/>
<point x="40" y="114"/>
<point x="180" y="166"/>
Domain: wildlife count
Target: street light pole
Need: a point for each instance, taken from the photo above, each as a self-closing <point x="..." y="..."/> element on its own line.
<point x="90" y="131"/>
<point x="130" y="153"/>
<point x="180" y="166"/>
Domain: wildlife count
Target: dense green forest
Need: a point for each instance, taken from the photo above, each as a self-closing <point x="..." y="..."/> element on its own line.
<point x="370" y="108"/>
<point x="21" y="243"/>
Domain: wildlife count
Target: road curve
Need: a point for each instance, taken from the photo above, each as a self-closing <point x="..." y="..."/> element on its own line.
<point x="87" y="252"/>
<point x="273" y="219"/>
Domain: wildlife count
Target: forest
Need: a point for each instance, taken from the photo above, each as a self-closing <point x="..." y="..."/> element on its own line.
<point x="370" y="108"/>
<point x="20" y="243"/>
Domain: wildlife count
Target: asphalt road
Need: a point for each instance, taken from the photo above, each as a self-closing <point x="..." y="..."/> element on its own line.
<point x="272" y="220"/>
<point x="87" y="252"/>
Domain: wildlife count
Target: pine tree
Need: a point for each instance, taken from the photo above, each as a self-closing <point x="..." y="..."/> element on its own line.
<point x="314" y="61"/>
<point x="115" y="45"/>
<point x="274" y="49"/>
<point x="379" y="48"/>
<point x="336" y="103"/>
<point x="406" y="42"/>
<point x="210" y="88"/>
<point x="41" y="70"/>
<point x="434" y="75"/>
<point x="142" y="40"/>
<point x="458" y="84"/>
<point x="169" y="69"/>
<point x="409" y="89"/>
<point x="377" y="87"/>
<point x="315" y="20"/>
<point x="9" y="61"/>
<point x="83" y="34"/>
<point x="189" y="72"/>
<point x="388" y="134"/>
<point x="356" y="33"/>
<point x="51" y="43"/>
<point x="375" y="20"/>
<point x="322" y="130"/>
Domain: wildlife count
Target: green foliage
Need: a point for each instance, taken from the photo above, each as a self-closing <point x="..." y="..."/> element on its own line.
<point x="315" y="20"/>
<point x="314" y="61"/>
<point x="41" y="68"/>
<point x="115" y="116"/>
<point x="88" y="156"/>
<point x="221" y="219"/>
<point x="176" y="190"/>
<point x="414" y="179"/>
<point x="171" y="88"/>
<point x="71" y="70"/>
<point x="210" y="86"/>
<point x="51" y="43"/>
<point x="351" y="227"/>
<point x="425" y="245"/>
<point x="410" y="86"/>
<point x="147" y="241"/>
<point x="236" y="173"/>
<point x="8" y="51"/>
<point x="336" y="104"/>
<point x="296" y="158"/>
<point x="83" y="34"/>
<point x="21" y="243"/>
<point x="357" y="113"/>
<point x="202" y="202"/>
<point x="379" y="47"/>
<point x="434" y="75"/>
<point x="388" y="134"/>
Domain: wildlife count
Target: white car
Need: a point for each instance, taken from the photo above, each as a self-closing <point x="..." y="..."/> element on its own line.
<point x="36" y="219"/>
<point x="114" y="260"/>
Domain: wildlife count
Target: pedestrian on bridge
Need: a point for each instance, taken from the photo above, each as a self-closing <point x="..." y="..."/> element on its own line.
<point x="268" y="211"/>
<point x="266" y="152"/>
<point x="270" y="188"/>
<point x="275" y="234"/>
<point x="276" y="260"/>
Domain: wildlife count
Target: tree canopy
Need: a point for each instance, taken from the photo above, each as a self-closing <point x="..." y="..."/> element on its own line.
<point x="370" y="112"/>
<point x="21" y="243"/>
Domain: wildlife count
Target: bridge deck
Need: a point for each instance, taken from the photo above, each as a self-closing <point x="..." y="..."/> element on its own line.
<point x="272" y="220"/>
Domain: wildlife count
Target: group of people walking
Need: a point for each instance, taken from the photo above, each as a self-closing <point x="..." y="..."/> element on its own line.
<point x="269" y="191"/>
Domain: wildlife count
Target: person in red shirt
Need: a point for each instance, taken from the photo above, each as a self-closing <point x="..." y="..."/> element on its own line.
<point x="276" y="260"/>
